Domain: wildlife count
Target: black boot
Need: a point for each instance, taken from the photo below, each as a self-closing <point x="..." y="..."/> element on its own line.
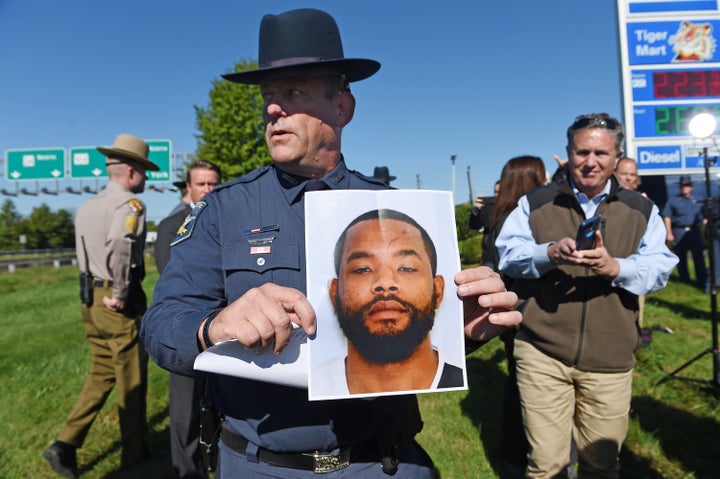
<point x="62" y="459"/>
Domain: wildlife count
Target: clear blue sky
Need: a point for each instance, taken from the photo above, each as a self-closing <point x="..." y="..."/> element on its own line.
<point x="485" y="81"/>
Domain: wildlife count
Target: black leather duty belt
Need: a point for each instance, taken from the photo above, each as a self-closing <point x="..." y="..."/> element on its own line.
<point x="100" y="283"/>
<point x="318" y="462"/>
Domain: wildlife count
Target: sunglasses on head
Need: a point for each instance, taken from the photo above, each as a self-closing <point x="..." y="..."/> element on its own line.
<point x="585" y="121"/>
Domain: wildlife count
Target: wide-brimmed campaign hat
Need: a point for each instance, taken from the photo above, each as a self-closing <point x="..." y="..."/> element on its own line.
<point x="299" y="43"/>
<point x="383" y="173"/>
<point x="129" y="147"/>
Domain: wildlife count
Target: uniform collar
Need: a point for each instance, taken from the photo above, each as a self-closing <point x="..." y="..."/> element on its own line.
<point x="293" y="186"/>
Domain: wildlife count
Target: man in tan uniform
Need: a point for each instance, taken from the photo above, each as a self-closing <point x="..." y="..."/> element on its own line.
<point x="109" y="239"/>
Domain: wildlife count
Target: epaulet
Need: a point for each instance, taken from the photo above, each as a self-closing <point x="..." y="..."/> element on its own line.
<point x="248" y="178"/>
<point x="369" y="179"/>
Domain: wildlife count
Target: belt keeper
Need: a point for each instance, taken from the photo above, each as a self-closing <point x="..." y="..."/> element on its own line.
<point x="206" y="329"/>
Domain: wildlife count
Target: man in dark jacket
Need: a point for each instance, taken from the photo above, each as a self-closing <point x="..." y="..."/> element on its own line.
<point x="185" y="392"/>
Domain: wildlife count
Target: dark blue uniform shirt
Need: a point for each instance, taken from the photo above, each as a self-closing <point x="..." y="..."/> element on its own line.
<point x="212" y="267"/>
<point x="683" y="212"/>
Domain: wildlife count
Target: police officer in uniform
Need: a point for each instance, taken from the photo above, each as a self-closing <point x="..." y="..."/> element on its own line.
<point x="185" y="392"/>
<point x="238" y="271"/>
<point x="110" y="238"/>
<point x="683" y="217"/>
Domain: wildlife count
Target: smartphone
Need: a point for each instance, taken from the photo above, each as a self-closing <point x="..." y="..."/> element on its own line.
<point x="585" y="238"/>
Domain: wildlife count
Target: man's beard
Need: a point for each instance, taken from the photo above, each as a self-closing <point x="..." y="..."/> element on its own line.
<point x="386" y="348"/>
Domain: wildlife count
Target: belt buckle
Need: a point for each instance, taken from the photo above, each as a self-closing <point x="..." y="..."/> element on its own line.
<point x="324" y="462"/>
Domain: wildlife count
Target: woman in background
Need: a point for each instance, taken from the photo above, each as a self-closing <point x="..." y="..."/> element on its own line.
<point x="519" y="176"/>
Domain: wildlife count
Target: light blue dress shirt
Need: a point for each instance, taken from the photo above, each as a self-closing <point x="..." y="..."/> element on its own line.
<point x="645" y="271"/>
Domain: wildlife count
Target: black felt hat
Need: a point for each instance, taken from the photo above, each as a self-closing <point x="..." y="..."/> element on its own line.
<point x="303" y="42"/>
<point x="383" y="173"/>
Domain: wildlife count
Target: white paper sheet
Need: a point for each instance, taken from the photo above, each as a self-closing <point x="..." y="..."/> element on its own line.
<point x="289" y="368"/>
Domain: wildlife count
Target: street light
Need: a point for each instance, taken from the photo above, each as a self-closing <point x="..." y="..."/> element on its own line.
<point x="702" y="127"/>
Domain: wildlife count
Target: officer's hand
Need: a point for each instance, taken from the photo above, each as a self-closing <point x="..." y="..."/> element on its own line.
<point x="263" y="316"/>
<point x="113" y="304"/>
<point x="598" y="259"/>
<point x="488" y="306"/>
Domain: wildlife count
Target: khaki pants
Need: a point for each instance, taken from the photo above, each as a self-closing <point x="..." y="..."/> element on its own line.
<point x="559" y="402"/>
<point x="117" y="358"/>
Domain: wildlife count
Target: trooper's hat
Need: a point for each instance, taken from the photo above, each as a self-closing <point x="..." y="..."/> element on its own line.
<point x="299" y="43"/>
<point x="685" y="180"/>
<point x="129" y="147"/>
<point x="383" y="173"/>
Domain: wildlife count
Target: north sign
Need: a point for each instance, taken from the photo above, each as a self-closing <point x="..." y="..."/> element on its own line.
<point x="35" y="164"/>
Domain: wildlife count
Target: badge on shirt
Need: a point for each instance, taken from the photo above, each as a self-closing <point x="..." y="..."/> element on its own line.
<point x="186" y="229"/>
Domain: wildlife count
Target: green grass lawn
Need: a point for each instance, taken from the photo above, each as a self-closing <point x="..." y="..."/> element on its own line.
<point x="44" y="358"/>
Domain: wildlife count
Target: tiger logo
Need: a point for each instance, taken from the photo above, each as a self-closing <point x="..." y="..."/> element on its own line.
<point x="693" y="42"/>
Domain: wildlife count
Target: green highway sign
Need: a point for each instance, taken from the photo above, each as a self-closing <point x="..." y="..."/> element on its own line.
<point x="160" y="154"/>
<point x="35" y="164"/>
<point x="87" y="162"/>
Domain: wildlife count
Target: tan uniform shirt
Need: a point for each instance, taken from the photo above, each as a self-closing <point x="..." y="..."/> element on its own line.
<point x="113" y="226"/>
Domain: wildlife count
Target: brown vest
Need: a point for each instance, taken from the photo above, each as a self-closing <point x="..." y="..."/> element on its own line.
<point x="572" y="314"/>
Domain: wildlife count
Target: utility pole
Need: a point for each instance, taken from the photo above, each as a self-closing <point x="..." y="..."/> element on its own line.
<point x="452" y="160"/>
<point x="470" y="188"/>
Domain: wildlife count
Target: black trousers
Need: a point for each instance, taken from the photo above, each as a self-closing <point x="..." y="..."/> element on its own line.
<point x="185" y="395"/>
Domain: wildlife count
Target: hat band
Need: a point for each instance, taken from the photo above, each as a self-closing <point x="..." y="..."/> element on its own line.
<point x="290" y="61"/>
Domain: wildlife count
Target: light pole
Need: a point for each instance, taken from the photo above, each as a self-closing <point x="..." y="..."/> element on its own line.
<point x="702" y="127"/>
<point x="452" y="160"/>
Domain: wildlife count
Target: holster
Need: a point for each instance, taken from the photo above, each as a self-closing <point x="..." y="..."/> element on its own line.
<point x="210" y="424"/>
<point x="398" y="435"/>
<point x="86" y="289"/>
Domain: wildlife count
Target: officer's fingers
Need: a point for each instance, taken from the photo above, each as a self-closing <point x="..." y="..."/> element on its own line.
<point x="505" y="318"/>
<point x="498" y="302"/>
<point x="298" y="309"/>
<point x="281" y="307"/>
<point x="479" y="280"/>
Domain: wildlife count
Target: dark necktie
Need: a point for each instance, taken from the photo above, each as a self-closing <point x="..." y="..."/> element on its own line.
<point x="315" y="185"/>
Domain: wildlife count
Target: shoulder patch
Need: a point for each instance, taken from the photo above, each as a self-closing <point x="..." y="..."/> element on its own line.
<point x="186" y="229"/>
<point x="131" y="224"/>
<point x="136" y="205"/>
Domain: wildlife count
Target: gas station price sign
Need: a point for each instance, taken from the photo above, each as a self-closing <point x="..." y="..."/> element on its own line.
<point x="671" y="72"/>
<point x="649" y="85"/>
<point x="660" y="121"/>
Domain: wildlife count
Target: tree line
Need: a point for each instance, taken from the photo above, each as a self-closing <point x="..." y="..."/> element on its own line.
<point x="41" y="229"/>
